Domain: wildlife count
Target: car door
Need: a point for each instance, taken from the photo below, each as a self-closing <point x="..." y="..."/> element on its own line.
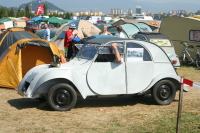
<point x="139" y="67"/>
<point x="105" y="76"/>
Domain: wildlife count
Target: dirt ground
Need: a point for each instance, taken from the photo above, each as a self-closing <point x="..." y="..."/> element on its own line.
<point x="118" y="114"/>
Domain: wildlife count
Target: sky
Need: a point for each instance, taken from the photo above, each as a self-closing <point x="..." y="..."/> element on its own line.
<point x="99" y="5"/>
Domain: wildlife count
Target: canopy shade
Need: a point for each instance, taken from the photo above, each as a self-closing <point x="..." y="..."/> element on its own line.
<point x="5" y="19"/>
<point x="53" y="20"/>
<point x="35" y="19"/>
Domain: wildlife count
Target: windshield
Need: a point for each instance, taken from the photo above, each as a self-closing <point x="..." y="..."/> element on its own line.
<point x="88" y="51"/>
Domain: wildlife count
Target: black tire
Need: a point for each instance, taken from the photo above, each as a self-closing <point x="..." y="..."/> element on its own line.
<point x="41" y="99"/>
<point x="183" y="62"/>
<point x="163" y="92"/>
<point x="62" y="97"/>
<point x="198" y="61"/>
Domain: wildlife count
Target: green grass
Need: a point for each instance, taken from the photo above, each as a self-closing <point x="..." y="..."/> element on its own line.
<point x="190" y="123"/>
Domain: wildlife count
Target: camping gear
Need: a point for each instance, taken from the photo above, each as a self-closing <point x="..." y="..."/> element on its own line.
<point x="20" y="50"/>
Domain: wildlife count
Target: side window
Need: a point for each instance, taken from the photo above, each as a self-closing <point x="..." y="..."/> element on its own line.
<point x="106" y="53"/>
<point x="136" y="52"/>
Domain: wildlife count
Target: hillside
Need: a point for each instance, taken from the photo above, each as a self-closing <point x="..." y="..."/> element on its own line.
<point x="35" y="5"/>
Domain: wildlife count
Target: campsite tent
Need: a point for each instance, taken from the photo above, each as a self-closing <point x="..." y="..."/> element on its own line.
<point x="130" y="29"/>
<point x="21" y="50"/>
<point x="11" y="36"/>
<point x="21" y="57"/>
<point x="40" y="33"/>
<point x="153" y="24"/>
<point x="83" y="27"/>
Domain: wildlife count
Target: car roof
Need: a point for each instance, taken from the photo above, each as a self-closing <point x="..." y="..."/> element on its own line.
<point x="150" y="35"/>
<point x="104" y="40"/>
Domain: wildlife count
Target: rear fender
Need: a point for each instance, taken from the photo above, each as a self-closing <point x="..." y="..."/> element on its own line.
<point x="174" y="78"/>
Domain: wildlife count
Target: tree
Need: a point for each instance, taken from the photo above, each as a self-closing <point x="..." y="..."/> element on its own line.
<point x="67" y="15"/>
<point x="11" y="13"/>
<point x="27" y="11"/>
<point x="18" y="14"/>
<point x="45" y="9"/>
<point x="3" y="12"/>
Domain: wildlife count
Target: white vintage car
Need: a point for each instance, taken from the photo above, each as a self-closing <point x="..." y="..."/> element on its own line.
<point x="93" y="72"/>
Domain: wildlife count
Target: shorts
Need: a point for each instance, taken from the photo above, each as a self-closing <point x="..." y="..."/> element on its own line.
<point x="68" y="52"/>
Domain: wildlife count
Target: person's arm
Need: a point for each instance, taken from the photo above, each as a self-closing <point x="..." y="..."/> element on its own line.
<point x="70" y="36"/>
<point x="117" y="55"/>
<point x="48" y="35"/>
<point x="110" y="34"/>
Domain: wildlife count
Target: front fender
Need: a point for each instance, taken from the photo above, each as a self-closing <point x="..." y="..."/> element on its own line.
<point x="68" y="74"/>
<point x="30" y="75"/>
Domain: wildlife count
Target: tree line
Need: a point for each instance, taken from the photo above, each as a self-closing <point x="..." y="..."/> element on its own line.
<point x="20" y="12"/>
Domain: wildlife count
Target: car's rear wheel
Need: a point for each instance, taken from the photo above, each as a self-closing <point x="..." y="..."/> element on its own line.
<point x="163" y="92"/>
<point x="62" y="97"/>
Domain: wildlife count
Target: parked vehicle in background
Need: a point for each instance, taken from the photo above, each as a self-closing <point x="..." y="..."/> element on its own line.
<point x="32" y="27"/>
<point x="94" y="72"/>
<point x="36" y="27"/>
<point x="163" y="41"/>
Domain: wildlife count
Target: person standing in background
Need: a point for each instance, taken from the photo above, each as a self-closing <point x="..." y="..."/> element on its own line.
<point x="119" y="29"/>
<point x="46" y="32"/>
<point x="104" y="31"/>
<point x="67" y="42"/>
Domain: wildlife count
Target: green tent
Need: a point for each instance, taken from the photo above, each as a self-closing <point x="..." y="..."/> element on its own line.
<point x="53" y="20"/>
<point x="5" y="19"/>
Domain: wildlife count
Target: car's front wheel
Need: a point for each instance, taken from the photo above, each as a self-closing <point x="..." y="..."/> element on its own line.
<point x="163" y="92"/>
<point x="62" y="97"/>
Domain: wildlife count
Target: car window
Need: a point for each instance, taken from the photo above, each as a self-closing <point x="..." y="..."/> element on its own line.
<point x="106" y="53"/>
<point x="88" y="51"/>
<point x="136" y="52"/>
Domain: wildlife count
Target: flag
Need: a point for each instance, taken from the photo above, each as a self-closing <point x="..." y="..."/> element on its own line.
<point x="190" y="83"/>
<point x="39" y="10"/>
<point x="31" y="7"/>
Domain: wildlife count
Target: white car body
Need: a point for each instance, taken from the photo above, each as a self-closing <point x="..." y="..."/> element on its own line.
<point x="90" y="77"/>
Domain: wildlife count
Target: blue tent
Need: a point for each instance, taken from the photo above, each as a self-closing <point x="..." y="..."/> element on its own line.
<point x="34" y="19"/>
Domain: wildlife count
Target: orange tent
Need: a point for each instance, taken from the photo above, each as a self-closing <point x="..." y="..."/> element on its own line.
<point x="17" y="58"/>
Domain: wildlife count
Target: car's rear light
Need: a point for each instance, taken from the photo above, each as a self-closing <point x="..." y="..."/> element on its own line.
<point x="174" y="61"/>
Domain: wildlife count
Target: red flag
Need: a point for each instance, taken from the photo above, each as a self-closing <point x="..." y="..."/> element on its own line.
<point x="39" y="10"/>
